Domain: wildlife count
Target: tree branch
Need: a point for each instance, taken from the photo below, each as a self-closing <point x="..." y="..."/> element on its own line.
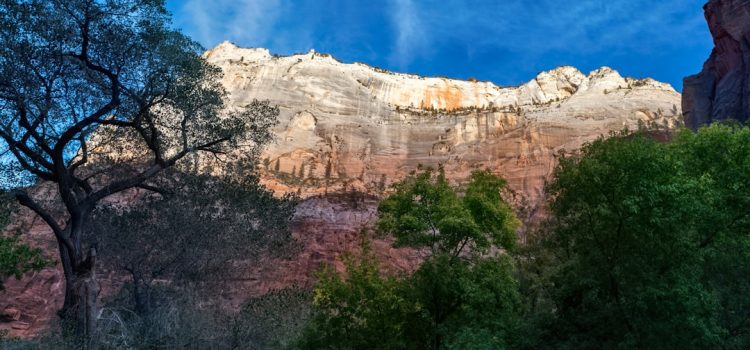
<point x="24" y="199"/>
<point x="153" y="189"/>
<point x="710" y="238"/>
<point x="20" y="147"/>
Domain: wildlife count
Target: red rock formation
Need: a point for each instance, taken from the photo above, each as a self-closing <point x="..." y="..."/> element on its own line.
<point x="722" y="90"/>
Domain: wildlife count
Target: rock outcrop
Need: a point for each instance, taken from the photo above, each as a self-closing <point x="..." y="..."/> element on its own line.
<point x="350" y="130"/>
<point x="351" y="126"/>
<point x="722" y="90"/>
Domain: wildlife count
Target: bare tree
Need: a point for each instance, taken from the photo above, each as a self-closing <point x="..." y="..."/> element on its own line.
<point x="84" y="83"/>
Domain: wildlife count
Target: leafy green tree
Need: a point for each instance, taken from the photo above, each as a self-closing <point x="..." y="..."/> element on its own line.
<point x="458" y="226"/>
<point x="465" y="305"/>
<point x="719" y="155"/>
<point x="360" y="310"/>
<point x="464" y="296"/>
<point x="649" y="244"/>
<point x="426" y="212"/>
<point x="632" y="274"/>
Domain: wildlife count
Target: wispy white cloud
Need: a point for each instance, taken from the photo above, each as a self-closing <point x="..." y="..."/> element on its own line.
<point x="250" y="22"/>
<point x="411" y="33"/>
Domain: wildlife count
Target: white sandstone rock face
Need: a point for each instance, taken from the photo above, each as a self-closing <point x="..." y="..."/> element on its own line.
<point x="351" y="126"/>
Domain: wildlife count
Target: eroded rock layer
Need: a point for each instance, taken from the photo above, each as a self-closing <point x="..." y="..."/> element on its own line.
<point x="721" y="90"/>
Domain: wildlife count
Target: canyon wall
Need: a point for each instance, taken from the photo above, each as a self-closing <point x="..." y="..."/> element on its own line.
<point x="721" y="91"/>
<point x="348" y="131"/>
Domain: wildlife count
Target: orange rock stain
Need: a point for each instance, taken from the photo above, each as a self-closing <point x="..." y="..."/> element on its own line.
<point x="443" y="97"/>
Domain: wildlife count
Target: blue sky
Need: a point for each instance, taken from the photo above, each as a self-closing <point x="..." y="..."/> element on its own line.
<point x="504" y="41"/>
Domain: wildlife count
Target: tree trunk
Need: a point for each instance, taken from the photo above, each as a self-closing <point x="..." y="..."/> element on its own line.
<point x="142" y="297"/>
<point x="80" y="310"/>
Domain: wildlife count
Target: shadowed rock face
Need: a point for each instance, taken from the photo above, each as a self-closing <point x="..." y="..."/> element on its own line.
<point x="350" y="127"/>
<point x="722" y="90"/>
<point x="357" y="127"/>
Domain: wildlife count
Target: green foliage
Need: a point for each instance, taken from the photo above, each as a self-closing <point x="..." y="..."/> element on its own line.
<point x="448" y="303"/>
<point x="719" y="156"/>
<point x="426" y="212"/>
<point x="624" y="212"/>
<point x="648" y="246"/>
<point x="15" y="258"/>
<point x="489" y="211"/>
<point x="460" y="298"/>
<point x="361" y="310"/>
<point x="465" y="305"/>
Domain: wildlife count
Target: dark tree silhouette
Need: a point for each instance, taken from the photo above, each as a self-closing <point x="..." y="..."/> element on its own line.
<point x="88" y="86"/>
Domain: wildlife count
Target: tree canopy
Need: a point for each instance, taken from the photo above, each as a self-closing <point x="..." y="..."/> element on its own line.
<point x="463" y="296"/>
<point x="425" y="211"/>
<point x="650" y="243"/>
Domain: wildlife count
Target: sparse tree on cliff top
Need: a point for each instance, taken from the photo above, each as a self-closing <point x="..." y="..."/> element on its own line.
<point x="71" y="68"/>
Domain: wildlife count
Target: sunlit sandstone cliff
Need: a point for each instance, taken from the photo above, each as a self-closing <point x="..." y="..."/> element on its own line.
<point x="350" y="127"/>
